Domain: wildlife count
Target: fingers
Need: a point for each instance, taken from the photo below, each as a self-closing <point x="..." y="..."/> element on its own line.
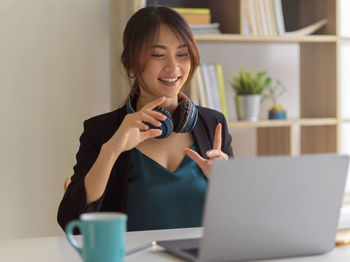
<point x="152" y="118"/>
<point x="154" y="103"/>
<point x="150" y="134"/>
<point x="149" y="115"/>
<point x="216" y="154"/>
<point x="195" y="156"/>
<point x="146" y="115"/>
<point x="217" y="137"/>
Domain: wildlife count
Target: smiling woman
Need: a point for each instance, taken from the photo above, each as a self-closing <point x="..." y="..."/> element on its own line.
<point x="167" y="66"/>
<point x="150" y="158"/>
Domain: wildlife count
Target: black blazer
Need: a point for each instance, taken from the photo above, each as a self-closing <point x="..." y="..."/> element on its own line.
<point x="99" y="130"/>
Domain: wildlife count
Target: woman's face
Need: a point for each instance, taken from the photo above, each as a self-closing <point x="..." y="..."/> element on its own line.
<point x="167" y="67"/>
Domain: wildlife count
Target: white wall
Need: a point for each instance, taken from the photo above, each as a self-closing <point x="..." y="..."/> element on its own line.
<point x="54" y="73"/>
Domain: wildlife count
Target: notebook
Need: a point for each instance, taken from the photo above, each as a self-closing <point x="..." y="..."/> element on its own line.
<point x="268" y="207"/>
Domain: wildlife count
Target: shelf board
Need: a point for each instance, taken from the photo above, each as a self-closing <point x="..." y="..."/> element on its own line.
<point x="317" y="121"/>
<point x="284" y="123"/>
<point x="261" y="123"/>
<point x="230" y="38"/>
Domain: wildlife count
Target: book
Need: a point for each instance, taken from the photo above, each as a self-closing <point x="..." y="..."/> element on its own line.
<point x="212" y="28"/>
<point x="221" y="84"/>
<point x="193" y="91"/>
<point x="258" y="18"/>
<point x="211" y="85"/>
<point x="263" y="18"/>
<point x="200" y="87"/>
<point x="279" y="17"/>
<point x="206" y="80"/>
<point x="307" y="30"/>
<point x="251" y="16"/>
<point x="268" y="17"/>
<point x="195" y="15"/>
<point x="196" y="11"/>
<point x="273" y="24"/>
<point x="248" y="18"/>
<point x="214" y="87"/>
<point x="245" y="26"/>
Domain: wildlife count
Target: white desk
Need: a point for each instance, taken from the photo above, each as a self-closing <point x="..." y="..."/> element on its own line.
<point x="57" y="249"/>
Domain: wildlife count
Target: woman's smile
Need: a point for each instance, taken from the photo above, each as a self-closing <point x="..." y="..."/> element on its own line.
<point x="169" y="81"/>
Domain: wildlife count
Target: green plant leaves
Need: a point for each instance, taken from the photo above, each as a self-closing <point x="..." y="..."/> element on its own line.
<point x="248" y="83"/>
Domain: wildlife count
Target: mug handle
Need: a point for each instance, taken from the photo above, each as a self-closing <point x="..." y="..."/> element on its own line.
<point x="69" y="233"/>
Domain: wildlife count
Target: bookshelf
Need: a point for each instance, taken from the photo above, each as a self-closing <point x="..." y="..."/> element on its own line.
<point x="317" y="128"/>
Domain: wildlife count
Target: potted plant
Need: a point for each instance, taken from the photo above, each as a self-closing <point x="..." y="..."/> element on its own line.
<point x="249" y="88"/>
<point x="272" y="92"/>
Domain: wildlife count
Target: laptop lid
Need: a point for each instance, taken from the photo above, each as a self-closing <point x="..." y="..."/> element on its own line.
<point x="272" y="207"/>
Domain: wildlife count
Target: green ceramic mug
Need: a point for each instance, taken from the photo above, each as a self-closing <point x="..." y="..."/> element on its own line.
<point x="103" y="236"/>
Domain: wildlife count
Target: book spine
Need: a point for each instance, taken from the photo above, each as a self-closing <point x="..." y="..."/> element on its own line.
<point x="193" y="91"/>
<point x="206" y="81"/>
<point x="214" y="88"/>
<point x="205" y="11"/>
<point x="244" y="30"/>
<point x="263" y="17"/>
<point x="258" y="19"/>
<point x="196" y="19"/>
<point x="268" y="17"/>
<point x="252" y="17"/>
<point x="195" y="15"/>
<point x="221" y="84"/>
<point x="279" y="17"/>
<point x="273" y="17"/>
<point x="201" y="90"/>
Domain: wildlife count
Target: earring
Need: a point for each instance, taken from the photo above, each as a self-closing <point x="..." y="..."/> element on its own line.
<point x="131" y="75"/>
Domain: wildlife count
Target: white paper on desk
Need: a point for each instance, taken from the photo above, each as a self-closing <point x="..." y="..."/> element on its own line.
<point x="344" y="219"/>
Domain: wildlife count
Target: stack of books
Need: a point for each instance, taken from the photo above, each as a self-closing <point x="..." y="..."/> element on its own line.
<point x="208" y="87"/>
<point x="195" y="15"/>
<point x="263" y="18"/>
<point x="199" y="20"/>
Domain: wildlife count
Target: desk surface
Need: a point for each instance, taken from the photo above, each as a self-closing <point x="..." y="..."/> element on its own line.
<point x="57" y="249"/>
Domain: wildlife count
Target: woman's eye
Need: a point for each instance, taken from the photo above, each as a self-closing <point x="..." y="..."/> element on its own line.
<point x="183" y="55"/>
<point x="157" y="55"/>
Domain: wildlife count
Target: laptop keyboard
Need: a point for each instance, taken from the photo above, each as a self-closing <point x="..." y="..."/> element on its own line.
<point x="194" y="251"/>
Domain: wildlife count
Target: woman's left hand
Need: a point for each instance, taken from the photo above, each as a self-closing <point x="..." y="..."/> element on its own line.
<point x="213" y="154"/>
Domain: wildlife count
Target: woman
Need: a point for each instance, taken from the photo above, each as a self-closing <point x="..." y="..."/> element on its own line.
<point x="150" y="158"/>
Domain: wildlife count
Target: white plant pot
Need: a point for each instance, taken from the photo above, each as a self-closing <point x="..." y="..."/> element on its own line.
<point x="248" y="107"/>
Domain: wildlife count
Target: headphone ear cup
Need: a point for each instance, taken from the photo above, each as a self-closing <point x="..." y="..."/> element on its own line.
<point x="167" y="124"/>
<point x="185" y="117"/>
<point x="179" y="116"/>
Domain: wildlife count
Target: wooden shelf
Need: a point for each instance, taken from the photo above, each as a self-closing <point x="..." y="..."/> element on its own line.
<point x="317" y="121"/>
<point x="233" y="38"/>
<point x="262" y="123"/>
<point x="317" y="129"/>
<point x="284" y="123"/>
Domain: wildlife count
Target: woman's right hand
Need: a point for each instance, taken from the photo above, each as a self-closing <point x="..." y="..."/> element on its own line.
<point x="133" y="130"/>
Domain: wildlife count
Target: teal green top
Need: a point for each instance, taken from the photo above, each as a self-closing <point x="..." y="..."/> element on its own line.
<point x="158" y="198"/>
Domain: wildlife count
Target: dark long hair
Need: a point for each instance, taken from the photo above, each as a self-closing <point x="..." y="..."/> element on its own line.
<point x="140" y="32"/>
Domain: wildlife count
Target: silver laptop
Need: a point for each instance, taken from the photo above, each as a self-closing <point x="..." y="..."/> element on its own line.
<point x="269" y="207"/>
